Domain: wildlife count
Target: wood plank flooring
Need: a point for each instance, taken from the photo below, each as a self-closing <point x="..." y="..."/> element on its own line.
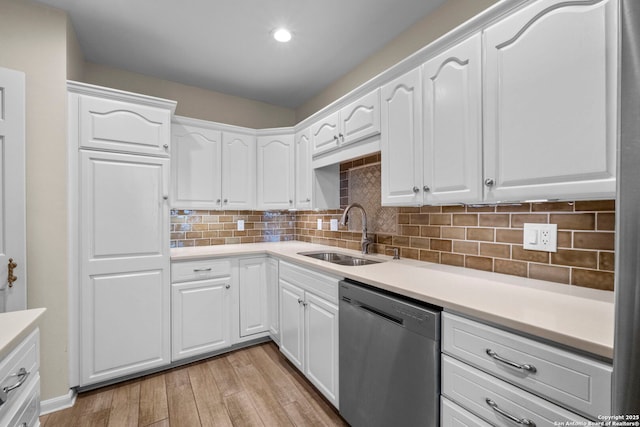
<point x="255" y="386"/>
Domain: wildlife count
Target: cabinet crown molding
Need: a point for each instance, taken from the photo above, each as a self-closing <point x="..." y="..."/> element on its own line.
<point x="120" y="95"/>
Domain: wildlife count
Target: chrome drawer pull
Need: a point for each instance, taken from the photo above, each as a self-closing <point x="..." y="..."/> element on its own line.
<point x="4" y="392"/>
<point x="197" y="270"/>
<point x="521" y="421"/>
<point x="499" y="358"/>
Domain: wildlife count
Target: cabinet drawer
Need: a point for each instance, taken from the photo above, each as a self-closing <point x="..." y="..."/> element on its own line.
<point x="27" y="413"/>
<point x="495" y="400"/>
<point x="24" y="356"/>
<point x="452" y="415"/>
<point x="199" y="270"/>
<point x="571" y="380"/>
<point x="320" y="284"/>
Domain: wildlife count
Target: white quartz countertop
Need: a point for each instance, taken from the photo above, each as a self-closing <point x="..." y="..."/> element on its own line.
<point x="572" y="316"/>
<point x="15" y="326"/>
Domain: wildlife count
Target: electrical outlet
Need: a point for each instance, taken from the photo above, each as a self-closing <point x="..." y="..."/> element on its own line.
<point x="540" y="237"/>
<point x="241" y="225"/>
<point x="333" y="225"/>
<point x="319" y="223"/>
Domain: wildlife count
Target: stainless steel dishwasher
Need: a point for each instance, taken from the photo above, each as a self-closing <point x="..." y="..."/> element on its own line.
<point x="389" y="359"/>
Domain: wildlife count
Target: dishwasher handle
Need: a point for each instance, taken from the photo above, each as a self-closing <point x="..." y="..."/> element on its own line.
<point x="379" y="313"/>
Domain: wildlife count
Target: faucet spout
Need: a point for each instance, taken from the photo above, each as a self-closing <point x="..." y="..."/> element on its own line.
<point x="365" y="242"/>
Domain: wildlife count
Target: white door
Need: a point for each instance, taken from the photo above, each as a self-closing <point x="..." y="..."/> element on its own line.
<point x="452" y="130"/>
<point x="292" y="323"/>
<point x="196" y="161"/>
<point x="550" y="102"/>
<point x="272" y="298"/>
<point x="254" y="315"/>
<point x="201" y="317"/>
<point x="401" y="140"/>
<point x="324" y="133"/>
<point x="124" y="269"/>
<point x="360" y="119"/>
<point x="304" y="177"/>
<point x="321" y="345"/>
<point x="13" y="296"/>
<point x="238" y="171"/>
<point x="275" y="172"/>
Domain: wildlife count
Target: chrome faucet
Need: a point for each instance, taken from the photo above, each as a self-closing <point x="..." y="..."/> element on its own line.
<point x="365" y="242"/>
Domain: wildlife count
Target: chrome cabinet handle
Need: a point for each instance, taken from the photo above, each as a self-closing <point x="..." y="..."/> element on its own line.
<point x="22" y="377"/>
<point x="521" y="421"/>
<point x="416" y="189"/>
<point x="426" y="188"/>
<point x="165" y="197"/>
<point x="197" y="270"/>
<point x="335" y="138"/>
<point x="308" y="200"/>
<point x="523" y="367"/>
<point x="227" y="286"/>
<point x="489" y="182"/>
<point x="226" y="201"/>
<point x="4" y="392"/>
<point x="218" y="201"/>
<point x="300" y="301"/>
<point x="341" y="136"/>
<point x="290" y="201"/>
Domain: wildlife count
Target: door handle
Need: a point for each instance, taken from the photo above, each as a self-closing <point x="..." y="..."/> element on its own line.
<point x="10" y="277"/>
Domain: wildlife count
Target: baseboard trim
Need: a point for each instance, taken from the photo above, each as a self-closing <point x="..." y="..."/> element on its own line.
<point x="58" y="403"/>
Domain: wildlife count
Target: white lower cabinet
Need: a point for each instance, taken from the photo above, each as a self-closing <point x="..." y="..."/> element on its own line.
<point x="19" y="372"/>
<point x="309" y="326"/>
<point x="254" y="314"/>
<point x="273" y="309"/>
<point x="505" y="378"/>
<point x="201" y="302"/>
<point x="200" y="317"/>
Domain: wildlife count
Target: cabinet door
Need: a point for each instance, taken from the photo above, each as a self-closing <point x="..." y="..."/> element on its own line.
<point x="550" y="101"/>
<point x="273" y="309"/>
<point x="124" y="265"/>
<point x="292" y="322"/>
<point x="253" y="296"/>
<point x="452" y="125"/>
<point x="324" y="133"/>
<point x="360" y="119"/>
<point x="275" y="168"/>
<point x="401" y="140"/>
<point x="238" y="171"/>
<point x="107" y="124"/>
<point x="196" y="161"/>
<point x="201" y="313"/>
<point x="321" y="345"/>
<point x="304" y="173"/>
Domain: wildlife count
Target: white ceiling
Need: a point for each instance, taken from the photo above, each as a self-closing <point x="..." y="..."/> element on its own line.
<point x="226" y="45"/>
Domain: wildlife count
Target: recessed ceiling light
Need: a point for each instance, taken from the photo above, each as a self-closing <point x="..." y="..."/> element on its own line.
<point x="282" y="35"/>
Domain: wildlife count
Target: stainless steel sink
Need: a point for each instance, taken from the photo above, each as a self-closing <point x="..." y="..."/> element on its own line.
<point x="338" y="258"/>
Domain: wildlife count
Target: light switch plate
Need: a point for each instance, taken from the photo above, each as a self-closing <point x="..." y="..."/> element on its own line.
<point x="540" y="237"/>
<point x="319" y="223"/>
<point x="333" y="225"/>
<point x="241" y="225"/>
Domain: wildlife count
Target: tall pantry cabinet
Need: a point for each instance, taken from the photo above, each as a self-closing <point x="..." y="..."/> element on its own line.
<point x="119" y="190"/>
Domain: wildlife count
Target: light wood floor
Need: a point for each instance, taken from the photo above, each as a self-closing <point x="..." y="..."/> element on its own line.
<point x="251" y="387"/>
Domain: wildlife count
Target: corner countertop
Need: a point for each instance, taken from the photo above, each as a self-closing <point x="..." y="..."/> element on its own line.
<point x="572" y="316"/>
<point x="16" y="325"/>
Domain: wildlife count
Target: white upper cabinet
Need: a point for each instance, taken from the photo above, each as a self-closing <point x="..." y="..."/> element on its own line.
<point x="196" y="161"/>
<point x="550" y="102"/>
<point x="275" y="172"/>
<point x="452" y="125"/>
<point x="401" y="141"/>
<point x="324" y="133"/>
<point x="304" y="173"/>
<point x="113" y="125"/>
<point x="360" y="119"/>
<point x="238" y="171"/>
<point x="355" y="122"/>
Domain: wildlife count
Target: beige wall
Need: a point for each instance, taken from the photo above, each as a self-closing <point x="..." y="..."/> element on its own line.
<point x="75" y="58"/>
<point x="193" y="101"/>
<point x="448" y="16"/>
<point x="33" y="40"/>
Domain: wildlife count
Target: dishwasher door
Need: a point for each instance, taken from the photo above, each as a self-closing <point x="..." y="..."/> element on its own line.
<point x="389" y="360"/>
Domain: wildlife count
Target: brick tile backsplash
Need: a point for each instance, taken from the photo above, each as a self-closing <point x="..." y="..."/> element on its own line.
<point x="484" y="237"/>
